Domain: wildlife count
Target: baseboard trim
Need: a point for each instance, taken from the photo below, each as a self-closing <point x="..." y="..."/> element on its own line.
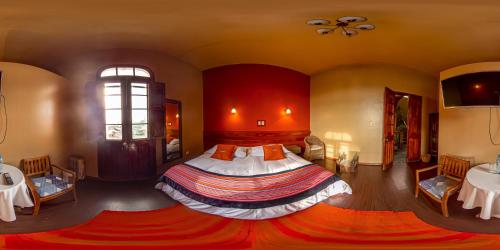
<point x="370" y="164"/>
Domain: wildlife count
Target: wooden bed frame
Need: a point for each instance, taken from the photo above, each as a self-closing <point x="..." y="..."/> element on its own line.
<point x="254" y="138"/>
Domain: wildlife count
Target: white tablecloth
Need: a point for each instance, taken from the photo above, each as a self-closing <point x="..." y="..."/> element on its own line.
<point x="481" y="189"/>
<point x="13" y="195"/>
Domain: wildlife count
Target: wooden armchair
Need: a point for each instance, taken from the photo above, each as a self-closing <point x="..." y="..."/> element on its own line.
<point x="47" y="181"/>
<point x="315" y="148"/>
<point x="451" y="172"/>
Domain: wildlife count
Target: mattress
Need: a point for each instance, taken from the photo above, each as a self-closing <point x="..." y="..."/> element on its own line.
<point x="247" y="166"/>
<point x="195" y="184"/>
<point x="339" y="187"/>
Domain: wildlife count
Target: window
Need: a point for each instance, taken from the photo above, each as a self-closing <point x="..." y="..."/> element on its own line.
<point x="126" y="102"/>
<point x="125" y="71"/>
<point x="139" y="103"/>
<point x="113" y="111"/>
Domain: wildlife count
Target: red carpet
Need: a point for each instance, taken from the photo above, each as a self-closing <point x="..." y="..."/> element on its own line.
<point x="320" y="227"/>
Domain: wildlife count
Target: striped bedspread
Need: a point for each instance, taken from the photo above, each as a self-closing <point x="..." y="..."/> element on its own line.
<point x="248" y="192"/>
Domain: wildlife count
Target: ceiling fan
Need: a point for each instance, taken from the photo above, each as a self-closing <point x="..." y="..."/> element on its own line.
<point x="343" y="24"/>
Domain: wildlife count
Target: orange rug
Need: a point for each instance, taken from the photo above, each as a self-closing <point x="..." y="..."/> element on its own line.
<point x="319" y="227"/>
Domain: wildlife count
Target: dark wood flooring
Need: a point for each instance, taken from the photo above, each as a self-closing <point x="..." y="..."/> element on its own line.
<point x="394" y="190"/>
<point x="372" y="190"/>
<point x="94" y="196"/>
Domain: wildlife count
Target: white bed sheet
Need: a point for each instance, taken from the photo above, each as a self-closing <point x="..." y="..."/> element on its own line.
<point x="246" y="166"/>
<point x="338" y="187"/>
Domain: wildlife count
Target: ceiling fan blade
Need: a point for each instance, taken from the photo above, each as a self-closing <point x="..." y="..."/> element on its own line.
<point x="364" y="27"/>
<point x="316" y="22"/>
<point x="351" y="19"/>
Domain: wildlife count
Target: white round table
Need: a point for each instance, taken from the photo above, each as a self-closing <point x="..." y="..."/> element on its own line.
<point x="13" y="195"/>
<point x="481" y="188"/>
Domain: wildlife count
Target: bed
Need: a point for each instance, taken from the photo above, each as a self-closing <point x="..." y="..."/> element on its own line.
<point x="173" y="149"/>
<point x="249" y="187"/>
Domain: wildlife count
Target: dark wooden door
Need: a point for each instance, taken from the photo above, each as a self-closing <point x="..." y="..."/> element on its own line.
<point x="414" y="128"/>
<point x="129" y="153"/>
<point x="122" y="161"/>
<point x="389" y="126"/>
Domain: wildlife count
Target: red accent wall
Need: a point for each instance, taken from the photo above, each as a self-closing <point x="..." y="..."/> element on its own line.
<point x="258" y="92"/>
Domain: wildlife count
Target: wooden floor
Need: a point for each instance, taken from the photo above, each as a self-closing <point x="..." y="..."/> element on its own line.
<point x="394" y="190"/>
<point x="372" y="190"/>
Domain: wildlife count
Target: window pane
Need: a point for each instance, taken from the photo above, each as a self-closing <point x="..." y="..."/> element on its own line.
<point x="139" y="131"/>
<point x="113" y="102"/>
<point x="125" y="71"/>
<point x="142" y="72"/>
<point x="112" y="89"/>
<point x="108" y="72"/>
<point x="139" y="89"/>
<point x="139" y="102"/>
<point x="114" y="132"/>
<point x="139" y="116"/>
<point x="114" y="116"/>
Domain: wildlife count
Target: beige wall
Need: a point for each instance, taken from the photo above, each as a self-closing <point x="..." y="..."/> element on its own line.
<point x="464" y="131"/>
<point x="183" y="82"/>
<point x="36" y="114"/>
<point x="347" y="106"/>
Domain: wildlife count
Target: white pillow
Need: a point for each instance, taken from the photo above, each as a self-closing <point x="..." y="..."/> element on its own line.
<point x="241" y="152"/>
<point x="174" y="142"/>
<point x="259" y="151"/>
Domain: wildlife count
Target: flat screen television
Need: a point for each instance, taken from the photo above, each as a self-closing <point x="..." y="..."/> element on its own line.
<point x="480" y="89"/>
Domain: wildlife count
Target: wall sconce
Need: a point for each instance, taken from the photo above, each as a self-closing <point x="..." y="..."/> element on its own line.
<point x="176" y="115"/>
<point x="288" y="111"/>
<point x="169" y="123"/>
<point x="233" y="111"/>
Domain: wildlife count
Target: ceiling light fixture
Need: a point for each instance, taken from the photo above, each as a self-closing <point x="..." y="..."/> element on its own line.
<point x="343" y="24"/>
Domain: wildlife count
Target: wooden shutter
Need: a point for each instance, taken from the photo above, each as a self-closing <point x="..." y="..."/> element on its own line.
<point x="157" y="110"/>
<point x="389" y="125"/>
<point x="95" y="111"/>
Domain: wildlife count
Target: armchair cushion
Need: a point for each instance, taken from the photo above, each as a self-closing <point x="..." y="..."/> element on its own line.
<point x="438" y="185"/>
<point x="50" y="184"/>
<point x="313" y="140"/>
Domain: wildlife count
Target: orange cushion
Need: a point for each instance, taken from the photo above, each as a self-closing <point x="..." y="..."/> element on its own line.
<point x="224" y="152"/>
<point x="273" y="152"/>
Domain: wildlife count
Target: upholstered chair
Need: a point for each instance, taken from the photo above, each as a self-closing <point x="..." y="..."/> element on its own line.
<point x="47" y="181"/>
<point x="315" y="148"/>
<point x="451" y="172"/>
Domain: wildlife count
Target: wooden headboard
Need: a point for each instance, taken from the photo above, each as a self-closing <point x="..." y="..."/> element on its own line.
<point x="254" y="138"/>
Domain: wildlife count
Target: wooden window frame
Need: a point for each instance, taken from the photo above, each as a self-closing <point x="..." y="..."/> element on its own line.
<point x="126" y="102"/>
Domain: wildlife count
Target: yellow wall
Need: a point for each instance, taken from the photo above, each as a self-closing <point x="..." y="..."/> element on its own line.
<point x="183" y="82"/>
<point x="36" y="114"/>
<point x="347" y="106"/>
<point x="464" y="131"/>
